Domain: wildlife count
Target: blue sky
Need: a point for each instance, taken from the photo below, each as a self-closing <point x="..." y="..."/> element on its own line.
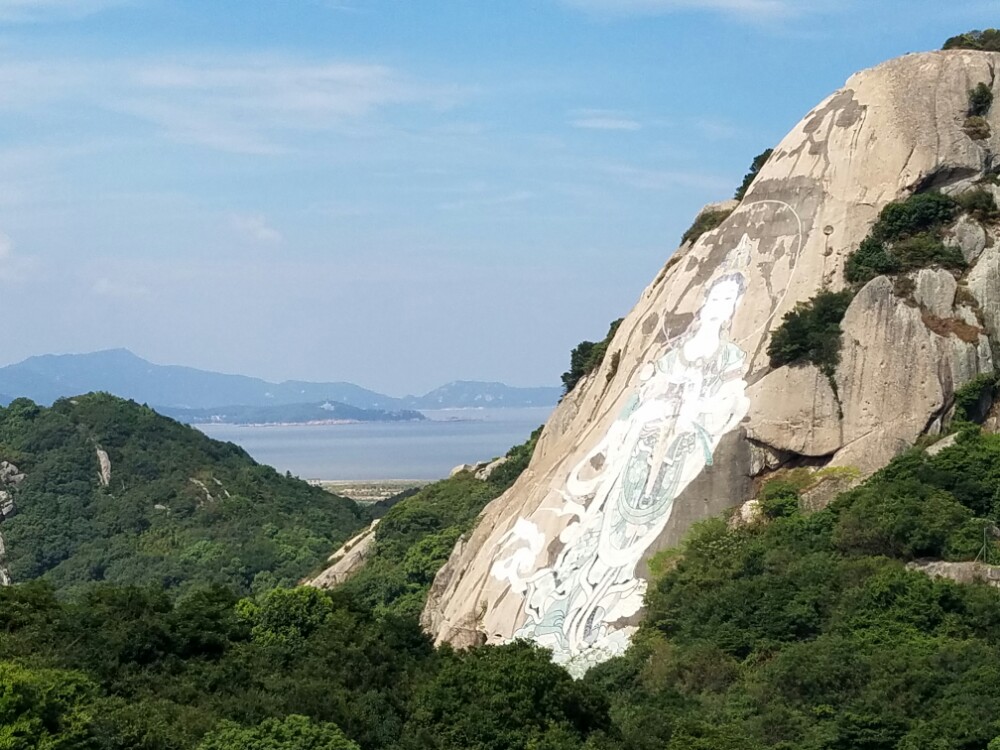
<point x="396" y="193"/>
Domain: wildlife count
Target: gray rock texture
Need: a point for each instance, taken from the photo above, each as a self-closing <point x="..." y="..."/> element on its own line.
<point x="694" y="416"/>
<point x="960" y="572"/>
<point x="104" y="466"/>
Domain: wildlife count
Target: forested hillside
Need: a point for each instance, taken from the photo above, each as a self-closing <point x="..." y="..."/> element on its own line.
<point x="416" y="536"/>
<point x="801" y="631"/>
<point x="173" y="508"/>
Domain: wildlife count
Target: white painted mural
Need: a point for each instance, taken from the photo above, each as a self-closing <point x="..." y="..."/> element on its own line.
<point x="689" y="392"/>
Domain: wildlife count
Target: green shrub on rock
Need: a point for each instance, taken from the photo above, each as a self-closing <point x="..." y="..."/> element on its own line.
<point x="921" y="212"/>
<point x="755" y="166"/>
<point x="979" y="204"/>
<point x="906" y="236"/>
<point x="586" y="357"/>
<point x="977" y="128"/>
<point x="924" y="250"/>
<point x="811" y="332"/>
<point x="706" y="221"/>
<point x="980" y="100"/>
<point x="871" y="259"/>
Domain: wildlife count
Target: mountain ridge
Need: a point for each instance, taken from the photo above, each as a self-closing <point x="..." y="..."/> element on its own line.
<point x="47" y="377"/>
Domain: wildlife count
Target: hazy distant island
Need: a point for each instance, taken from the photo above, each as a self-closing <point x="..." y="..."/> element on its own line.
<point x="328" y="412"/>
<point x="202" y="397"/>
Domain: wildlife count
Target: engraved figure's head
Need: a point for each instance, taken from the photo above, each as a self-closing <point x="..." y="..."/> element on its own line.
<point x="721" y="300"/>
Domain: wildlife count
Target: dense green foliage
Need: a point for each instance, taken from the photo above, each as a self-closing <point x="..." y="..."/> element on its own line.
<point x="987" y="40"/>
<point x="807" y="632"/>
<point x="291" y="733"/>
<point x="980" y="100"/>
<point x="979" y="204"/>
<point x="126" y="669"/>
<point x="755" y="166"/>
<point x="180" y="508"/>
<point x="801" y="632"/>
<point x="586" y="357"/>
<point x="706" y="221"/>
<point x="416" y="536"/>
<point x="907" y="236"/>
<point x="973" y="400"/>
<point x="811" y="332"/>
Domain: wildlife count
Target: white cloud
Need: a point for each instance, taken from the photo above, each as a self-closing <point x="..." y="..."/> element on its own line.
<point x="33" y="11"/>
<point x="603" y="119"/>
<point x="255" y="229"/>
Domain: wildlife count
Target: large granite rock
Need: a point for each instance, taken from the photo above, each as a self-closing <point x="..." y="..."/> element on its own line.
<point x="693" y="412"/>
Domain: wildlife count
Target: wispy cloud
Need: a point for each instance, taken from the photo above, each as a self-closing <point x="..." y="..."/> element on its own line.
<point x="255" y="229"/>
<point x="253" y="105"/>
<point x="245" y="105"/>
<point x="117" y="289"/>
<point x="716" y="129"/>
<point x="35" y="11"/>
<point x="602" y="119"/>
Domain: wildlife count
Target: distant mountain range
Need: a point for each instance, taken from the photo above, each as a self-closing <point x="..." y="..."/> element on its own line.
<point x="171" y="388"/>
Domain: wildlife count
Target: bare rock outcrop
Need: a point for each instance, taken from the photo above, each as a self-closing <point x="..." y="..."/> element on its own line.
<point x="347" y="560"/>
<point x="5" y="579"/>
<point x="960" y="572"/>
<point x="104" y="467"/>
<point x="10" y="474"/>
<point x="10" y="478"/>
<point x="693" y="411"/>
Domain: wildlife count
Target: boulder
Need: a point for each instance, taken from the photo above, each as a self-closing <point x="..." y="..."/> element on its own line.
<point x="969" y="236"/>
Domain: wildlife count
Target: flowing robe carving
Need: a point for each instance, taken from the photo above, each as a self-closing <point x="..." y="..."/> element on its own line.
<point x="621" y="494"/>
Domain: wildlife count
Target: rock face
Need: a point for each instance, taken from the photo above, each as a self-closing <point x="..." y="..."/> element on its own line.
<point x="693" y="411"/>
<point x="10" y="478"/>
<point x="104" y="464"/>
<point x="347" y="560"/>
<point x="960" y="572"/>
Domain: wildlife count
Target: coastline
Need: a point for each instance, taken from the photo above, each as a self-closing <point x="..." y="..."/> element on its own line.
<point x="310" y="423"/>
<point x="368" y="491"/>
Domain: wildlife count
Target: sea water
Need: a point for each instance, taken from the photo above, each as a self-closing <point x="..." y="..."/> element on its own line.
<point x="385" y="450"/>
